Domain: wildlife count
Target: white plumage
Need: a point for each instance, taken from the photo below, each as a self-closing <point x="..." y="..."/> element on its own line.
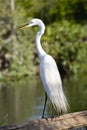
<point x="52" y="83"/>
<point x="49" y="72"/>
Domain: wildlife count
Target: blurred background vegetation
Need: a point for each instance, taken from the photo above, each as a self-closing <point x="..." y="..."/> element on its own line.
<point x="65" y="37"/>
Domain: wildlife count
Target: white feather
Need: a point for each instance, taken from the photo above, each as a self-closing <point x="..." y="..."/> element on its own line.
<point x="52" y="83"/>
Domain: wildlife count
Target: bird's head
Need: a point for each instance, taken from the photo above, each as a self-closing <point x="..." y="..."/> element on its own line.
<point x="35" y="22"/>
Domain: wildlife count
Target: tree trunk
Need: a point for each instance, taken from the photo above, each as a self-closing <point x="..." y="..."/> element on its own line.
<point x="12" y="5"/>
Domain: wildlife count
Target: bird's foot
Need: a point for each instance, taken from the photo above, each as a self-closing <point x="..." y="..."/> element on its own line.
<point x="52" y="117"/>
<point x="43" y="117"/>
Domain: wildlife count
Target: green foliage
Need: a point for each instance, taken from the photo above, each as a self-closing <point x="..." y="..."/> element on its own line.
<point x="65" y="38"/>
<point x="50" y="11"/>
<point x="67" y="43"/>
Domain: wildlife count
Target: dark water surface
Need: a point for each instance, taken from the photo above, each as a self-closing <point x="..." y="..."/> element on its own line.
<point x="23" y="100"/>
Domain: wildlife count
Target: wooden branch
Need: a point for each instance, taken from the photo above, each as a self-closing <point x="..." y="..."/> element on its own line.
<point x="67" y="121"/>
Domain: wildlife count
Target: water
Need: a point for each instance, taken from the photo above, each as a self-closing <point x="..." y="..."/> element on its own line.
<point x="23" y="100"/>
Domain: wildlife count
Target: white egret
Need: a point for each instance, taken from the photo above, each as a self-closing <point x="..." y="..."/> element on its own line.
<point x="49" y="72"/>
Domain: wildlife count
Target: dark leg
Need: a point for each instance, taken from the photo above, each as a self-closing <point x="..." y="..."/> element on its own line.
<point x="52" y="111"/>
<point x="52" y="116"/>
<point x="44" y="105"/>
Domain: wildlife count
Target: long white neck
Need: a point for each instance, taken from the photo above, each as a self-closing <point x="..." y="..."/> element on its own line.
<point x="40" y="50"/>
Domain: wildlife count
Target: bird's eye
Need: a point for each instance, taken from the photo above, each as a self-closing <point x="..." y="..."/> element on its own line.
<point x="31" y="22"/>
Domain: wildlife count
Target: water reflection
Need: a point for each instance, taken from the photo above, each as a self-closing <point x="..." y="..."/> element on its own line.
<point x="77" y="93"/>
<point x="23" y="100"/>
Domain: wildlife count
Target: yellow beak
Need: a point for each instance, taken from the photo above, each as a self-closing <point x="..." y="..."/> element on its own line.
<point x="22" y="27"/>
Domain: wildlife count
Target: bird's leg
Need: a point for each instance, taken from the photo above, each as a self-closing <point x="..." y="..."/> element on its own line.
<point x="44" y="105"/>
<point x="52" y="116"/>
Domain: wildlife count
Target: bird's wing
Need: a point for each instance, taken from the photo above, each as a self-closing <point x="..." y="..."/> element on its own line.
<point x="52" y="82"/>
<point x="49" y="74"/>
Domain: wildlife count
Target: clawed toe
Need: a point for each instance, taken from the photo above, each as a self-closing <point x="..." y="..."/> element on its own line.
<point x="52" y="117"/>
<point x="45" y="118"/>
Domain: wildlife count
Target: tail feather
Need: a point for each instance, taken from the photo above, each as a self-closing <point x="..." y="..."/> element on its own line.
<point x="59" y="101"/>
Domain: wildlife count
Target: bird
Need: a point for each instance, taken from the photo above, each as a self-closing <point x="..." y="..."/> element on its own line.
<point x="49" y="72"/>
